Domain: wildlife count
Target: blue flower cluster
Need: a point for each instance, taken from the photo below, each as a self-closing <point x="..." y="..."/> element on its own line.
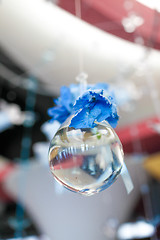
<point x="97" y="103"/>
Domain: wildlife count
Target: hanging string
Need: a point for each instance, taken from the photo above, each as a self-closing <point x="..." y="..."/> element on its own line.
<point x="79" y="15"/>
<point x="82" y="76"/>
<point x="78" y="8"/>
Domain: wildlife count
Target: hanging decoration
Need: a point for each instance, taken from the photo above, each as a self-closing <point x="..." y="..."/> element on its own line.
<point x="86" y="155"/>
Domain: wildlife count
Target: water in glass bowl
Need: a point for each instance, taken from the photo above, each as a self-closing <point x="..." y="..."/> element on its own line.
<point x="86" y="160"/>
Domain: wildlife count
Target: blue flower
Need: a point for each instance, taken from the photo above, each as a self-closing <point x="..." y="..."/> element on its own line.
<point x="59" y="113"/>
<point x="97" y="103"/>
<point x="64" y="106"/>
<point x="65" y="102"/>
<point x="93" y="106"/>
<point x="65" y="98"/>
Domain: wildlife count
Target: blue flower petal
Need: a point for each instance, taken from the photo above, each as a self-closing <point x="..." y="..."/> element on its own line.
<point x="106" y="111"/>
<point x="58" y="113"/>
<point x="82" y="101"/>
<point x="113" y="120"/>
<point x="87" y="99"/>
<point x="66" y="98"/>
<point x="112" y="99"/>
<point x="83" y="120"/>
<point x="91" y="105"/>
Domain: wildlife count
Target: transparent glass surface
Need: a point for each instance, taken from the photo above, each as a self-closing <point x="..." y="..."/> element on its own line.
<point x="86" y="160"/>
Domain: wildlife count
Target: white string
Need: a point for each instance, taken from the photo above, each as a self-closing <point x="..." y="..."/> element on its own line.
<point x="78" y="8"/>
<point x="78" y="14"/>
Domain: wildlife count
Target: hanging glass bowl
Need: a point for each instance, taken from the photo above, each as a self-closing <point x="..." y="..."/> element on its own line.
<point x="86" y="160"/>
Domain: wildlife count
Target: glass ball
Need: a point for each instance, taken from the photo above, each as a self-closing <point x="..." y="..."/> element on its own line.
<point x="87" y="160"/>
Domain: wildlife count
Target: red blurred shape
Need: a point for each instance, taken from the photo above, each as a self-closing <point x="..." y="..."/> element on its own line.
<point x="141" y="137"/>
<point x="5" y="170"/>
<point x="108" y="15"/>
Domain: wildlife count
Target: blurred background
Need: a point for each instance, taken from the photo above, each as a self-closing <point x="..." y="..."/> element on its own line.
<point x="45" y="44"/>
